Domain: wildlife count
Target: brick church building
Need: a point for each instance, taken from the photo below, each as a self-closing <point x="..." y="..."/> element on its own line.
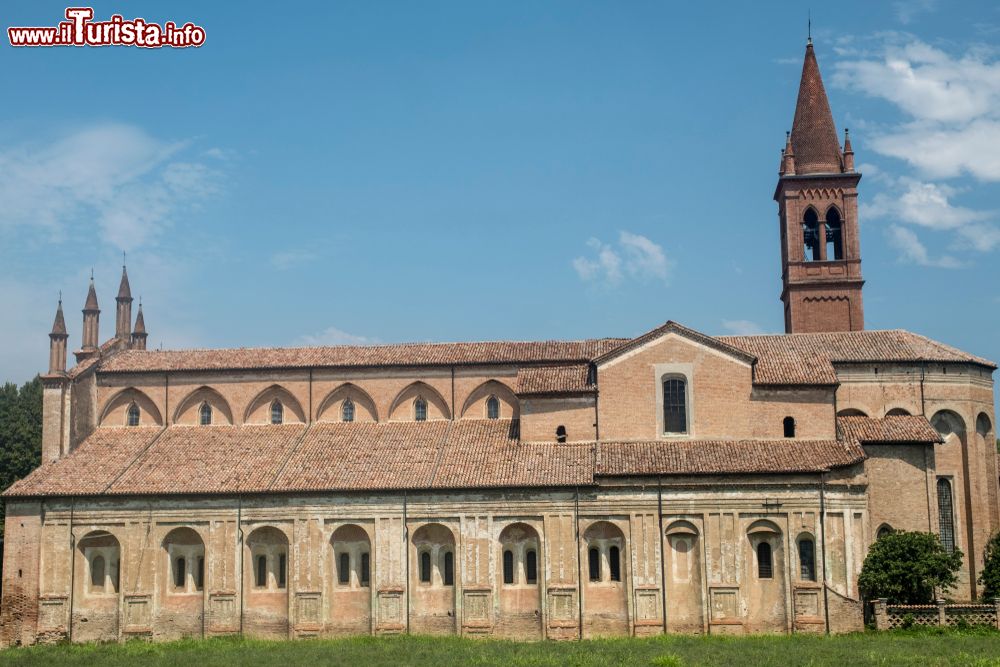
<point x="672" y="482"/>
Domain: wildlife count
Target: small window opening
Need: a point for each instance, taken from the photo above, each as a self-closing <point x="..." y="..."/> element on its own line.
<point x="883" y="530"/>
<point x="834" y="235"/>
<point x="365" y="569"/>
<point x="810" y="236"/>
<point x="179" y="572"/>
<point x="420" y="410"/>
<point x="765" y="567"/>
<point x="347" y="410"/>
<point x="449" y="568"/>
<point x="560" y="433"/>
<point x="674" y="405"/>
<point x="133" y="415"/>
<point x="425" y="567"/>
<point x="282" y="562"/>
<point x="615" y="564"/>
<point x="508" y="566"/>
<point x="261" y="572"/>
<point x="277" y="412"/>
<point x="946" y="515"/>
<point x="594" y="563"/>
<point x="493" y="408"/>
<point x="97" y="573"/>
<point x="199" y="581"/>
<point x="789" y="424"/>
<point x="205" y="414"/>
<point x="807" y="559"/>
<point x="531" y="566"/>
<point x="344" y="569"/>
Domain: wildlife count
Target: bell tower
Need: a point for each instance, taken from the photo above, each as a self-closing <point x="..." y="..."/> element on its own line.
<point x="817" y="197"/>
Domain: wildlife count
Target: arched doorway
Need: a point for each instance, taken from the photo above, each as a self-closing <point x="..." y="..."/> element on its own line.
<point x="605" y="592"/>
<point x="519" y="583"/>
<point x="765" y="577"/>
<point x="432" y="581"/>
<point x="97" y="596"/>
<point x="265" y="581"/>
<point x="182" y="584"/>
<point x="350" y="577"/>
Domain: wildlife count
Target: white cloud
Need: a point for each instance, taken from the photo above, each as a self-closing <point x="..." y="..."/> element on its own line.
<point x="742" y="327"/>
<point x="115" y="176"/>
<point x="912" y="249"/>
<point x="334" y="336"/>
<point x="906" y="10"/>
<point x="634" y="256"/>
<point x="924" y="204"/>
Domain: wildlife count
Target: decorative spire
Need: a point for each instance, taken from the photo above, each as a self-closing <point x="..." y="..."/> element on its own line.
<point x="814" y="135"/>
<point x="123" y="310"/>
<point x="124" y="291"/>
<point x="91" y="305"/>
<point x="59" y="325"/>
<point x="139" y="334"/>
<point x="788" y="157"/>
<point x="848" y="151"/>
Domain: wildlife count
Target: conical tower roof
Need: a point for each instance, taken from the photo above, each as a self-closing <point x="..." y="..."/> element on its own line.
<point x="124" y="291"/>
<point x="91" y="304"/>
<point x="140" y="323"/>
<point x="59" y="325"/>
<point x="814" y="135"/>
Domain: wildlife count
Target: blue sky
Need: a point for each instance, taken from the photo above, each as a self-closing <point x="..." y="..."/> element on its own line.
<point x="359" y="172"/>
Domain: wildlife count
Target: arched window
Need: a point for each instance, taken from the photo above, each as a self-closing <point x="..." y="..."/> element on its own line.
<point x="810" y="236"/>
<point x="205" y="414"/>
<point x="425" y="567"/>
<point x="765" y="568"/>
<point x="282" y="565"/>
<point x="132" y="416"/>
<point x="789" y="425"/>
<point x="344" y="568"/>
<point x="807" y="559"/>
<point x="834" y="235"/>
<point x="946" y="515"/>
<point x="97" y="573"/>
<point x="615" y="563"/>
<point x="674" y="405"/>
<point x="420" y="409"/>
<point x="277" y="412"/>
<point x="883" y="530"/>
<point x="449" y="568"/>
<point x="560" y="433"/>
<point x="347" y="410"/>
<point x="594" y="562"/>
<point x="366" y="569"/>
<point x="508" y="566"/>
<point x="897" y="412"/>
<point x="530" y="566"/>
<point x="180" y="571"/>
<point x="493" y="408"/>
<point x="261" y="581"/>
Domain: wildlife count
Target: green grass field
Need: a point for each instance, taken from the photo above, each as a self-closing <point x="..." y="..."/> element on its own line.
<point x="918" y="647"/>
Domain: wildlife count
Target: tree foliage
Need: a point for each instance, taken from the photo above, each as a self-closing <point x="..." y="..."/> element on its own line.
<point x="908" y="568"/>
<point x="990" y="576"/>
<point x="20" y="433"/>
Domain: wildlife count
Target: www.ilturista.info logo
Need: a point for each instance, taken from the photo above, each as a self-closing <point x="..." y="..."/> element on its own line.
<point x="81" y="30"/>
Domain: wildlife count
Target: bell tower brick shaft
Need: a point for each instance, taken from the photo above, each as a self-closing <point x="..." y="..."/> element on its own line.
<point x="817" y="199"/>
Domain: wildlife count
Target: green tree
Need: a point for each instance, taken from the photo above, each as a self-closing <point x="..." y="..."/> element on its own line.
<point x="20" y="434"/>
<point x="908" y="568"/>
<point x="990" y="576"/>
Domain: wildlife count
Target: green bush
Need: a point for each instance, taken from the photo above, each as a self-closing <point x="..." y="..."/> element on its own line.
<point x="990" y="577"/>
<point x="908" y="568"/>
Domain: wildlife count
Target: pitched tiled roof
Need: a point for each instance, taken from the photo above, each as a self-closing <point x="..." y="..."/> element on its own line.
<point x="323" y="457"/>
<point x="673" y="327"/>
<point x="553" y="379"/>
<point x="809" y="358"/>
<point x="713" y="457"/>
<point x="901" y="428"/>
<point x="404" y="354"/>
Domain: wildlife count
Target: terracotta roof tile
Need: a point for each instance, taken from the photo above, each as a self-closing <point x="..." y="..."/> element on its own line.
<point x="404" y="354"/>
<point x="210" y="459"/>
<point x="670" y="326"/>
<point x="712" y="457"/>
<point x="901" y="428"/>
<point x="553" y="379"/>
<point x="89" y="468"/>
<point x="809" y="358"/>
<point x="814" y="135"/>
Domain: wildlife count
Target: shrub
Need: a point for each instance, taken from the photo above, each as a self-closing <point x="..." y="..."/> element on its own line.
<point x="990" y="577"/>
<point x="908" y="568"/>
